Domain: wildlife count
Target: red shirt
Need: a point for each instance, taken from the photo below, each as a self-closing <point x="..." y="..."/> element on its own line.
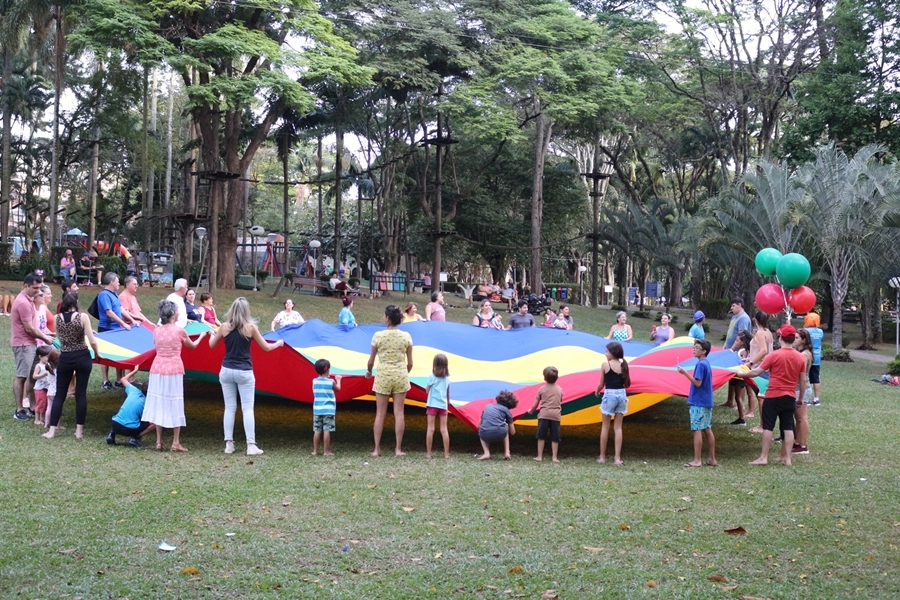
<point x="785" y="366"/>
<point x="23" y="311"/>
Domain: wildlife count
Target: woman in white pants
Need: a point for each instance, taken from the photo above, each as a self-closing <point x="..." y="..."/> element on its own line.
<point x="236" y="375"/>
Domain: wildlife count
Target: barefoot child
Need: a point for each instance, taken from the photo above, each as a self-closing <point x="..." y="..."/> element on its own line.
<point x="324" y="406"/>
<point x="700" y="401"/>
<point x="128" y="420"/>
<point x="437" y="405"/>
<point x="549" y="399"/>
<point x="42" y="375"/>
<point x="614" y="376"/>
<point x="497" y="424"/>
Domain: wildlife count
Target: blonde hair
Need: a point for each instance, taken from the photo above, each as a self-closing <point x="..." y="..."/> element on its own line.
<point x="239" y="314"/>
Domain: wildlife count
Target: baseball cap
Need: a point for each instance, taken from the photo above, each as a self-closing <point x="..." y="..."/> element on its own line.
<point x="68" y="252"/>
<point x="699" y="316"/>
<point x="787" y="330"/>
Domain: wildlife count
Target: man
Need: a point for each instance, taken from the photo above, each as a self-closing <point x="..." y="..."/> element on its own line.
<point x="522" y="318"/>
<point x="563" y="320"/>
<point x="68" y="285"/>
<point x="177" y="296"/>
<point x="787" y="370"/>
<point x="739" y="320"/>
<point x="23" y="339"/>
<point x="509" y="295"/>
<point x="483" y="292"/>
<point x="112" y="318"/>
<point x="128" y="299"/>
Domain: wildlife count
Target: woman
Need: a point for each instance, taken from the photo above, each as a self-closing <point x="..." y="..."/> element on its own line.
<point x="75" y="359"/>
<point x="394" y="351"/>
<point x="434" y="310"/>
<point x="44" y="316"/>
<point x="411" y="313"/>
<point x="288" y="316"/>
<point x="804" y="345"/>
<point x="345" y="317"/>
<point x="663" y="333"/>
<point x="236" y="375"/>
<point x="486" y="317"/>
<point x="164" y="406"/>
<point x="209" y="311"/>
<point x="621" y="331"/>
<point x="67" y="266"/>
<point x="193" y="312"/>
<point x="760" y="346"/>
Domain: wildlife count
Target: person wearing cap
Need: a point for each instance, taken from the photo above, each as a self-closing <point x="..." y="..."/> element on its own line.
<point x="67" y="266"/>
<point x="811" y="324"/>
<point x="697" y="332"/>
<point x="787" y="373"/>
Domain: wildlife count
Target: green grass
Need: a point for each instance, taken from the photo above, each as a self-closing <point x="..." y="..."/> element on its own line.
<point x="339" y="527"/>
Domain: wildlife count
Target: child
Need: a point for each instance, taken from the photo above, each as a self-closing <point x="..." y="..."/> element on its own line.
<point x="549" y="398"/>
<point x="700" y="401"/>
<point x="324" y="406"/>
<point x="497" y="424"/>
<point x="42" y="375"/>
<point x="128" y="420"/>
<point x="51" y="383"/>
<point x="697" y="332"/>
<point x="438" y="392"/>
<point x="614" y="376"/>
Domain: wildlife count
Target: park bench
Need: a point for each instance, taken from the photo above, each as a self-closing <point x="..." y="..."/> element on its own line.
<point x="313" y="283"/>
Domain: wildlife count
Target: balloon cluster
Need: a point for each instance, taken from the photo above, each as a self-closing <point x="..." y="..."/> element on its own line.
<point x="793" y="271"/>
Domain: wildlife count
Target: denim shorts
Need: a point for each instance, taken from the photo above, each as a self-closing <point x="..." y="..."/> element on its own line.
<point x="614" y="402"/>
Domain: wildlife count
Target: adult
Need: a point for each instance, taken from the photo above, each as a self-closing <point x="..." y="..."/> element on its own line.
<point x="236" y="375"/>
<point x="761" y="345"/>
<point x="112" y="318"/>
<point x="394" y="349"/>
<point x="23" y="339"/>
<point x="787" y="370"/>
<point x="288" y="316"/>
<point x="816" y="335"/>
<point x="72" y="326"/>
<point x="86" y="267"/>
<point x="483" y="292"/>
<point x="803" y="345"/>
<point x="192" y="310"/>
<point x="44" y="318"/>
<point x="336" y="284"/>
<point x="739" y="320"/>
<point x="522" y="318"/>
<point x="411" y="313"/>
<point x="563" y="319"/>
<point x="179" y="291"/>
<point x="345" y="317"/>
<point x="209" y="311"/>
<point x="486" y="317"/>
<point x="621" y="330"/>
<point x="68" y="285"/>
<point x="662" y="333"/>
<point x="129" y="302"/>
<point x="434" y="310"/>
<point x="67" y="265"/>
<point x="508" y="294"/>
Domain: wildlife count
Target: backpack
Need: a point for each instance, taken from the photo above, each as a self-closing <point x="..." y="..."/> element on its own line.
<point x="94" y="309"/>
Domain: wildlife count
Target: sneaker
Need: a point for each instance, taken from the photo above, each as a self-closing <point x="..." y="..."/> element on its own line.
<point x="777" y="440"/>
<point x="229" y="447"/>
<point x="107" y="385"/>
<point x="798" y="449"/>
<point x="135" y="443"/>
<point x="119" y="385"/>
<point x="816" y="402"/>
<point x="111" y="438"/>
<point x="253" y="450"/>
<point x="739" y="422"/>
<point x="21" y="415"/>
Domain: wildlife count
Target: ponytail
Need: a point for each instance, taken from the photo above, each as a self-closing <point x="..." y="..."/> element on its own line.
<point x="626" y="378"/>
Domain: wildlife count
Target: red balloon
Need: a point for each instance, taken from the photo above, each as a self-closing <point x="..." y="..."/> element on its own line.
<point x="770" y="298"/>
<point x="802" y="299"/>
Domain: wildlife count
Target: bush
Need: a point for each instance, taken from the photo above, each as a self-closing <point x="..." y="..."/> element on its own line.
<point x="6" y="257"/>
<point x="35" y="262"/>
<point x="617" y="308"/>
<point x="687" y="327"/>
<point x="113" y="264"/>
<point x="893" y="367"/>
<point x="715" y="308"/>
<point x="888" y="329"/>
<point x="830" y="355"/>
<point x="641" y="314"/>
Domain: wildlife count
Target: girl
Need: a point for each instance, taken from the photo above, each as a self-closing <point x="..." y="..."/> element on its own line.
<point x="663" y="333"/>
<point x="42" y="374"/>
<point x="346" y="315"/>
<point x="614" y="376"/>
<point x="438" y="392"/>
<point x="164" y="406"/>
<point x="51" y="382"/>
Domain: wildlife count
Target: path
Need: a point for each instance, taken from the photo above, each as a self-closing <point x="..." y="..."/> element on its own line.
<point x="870" y="356"/>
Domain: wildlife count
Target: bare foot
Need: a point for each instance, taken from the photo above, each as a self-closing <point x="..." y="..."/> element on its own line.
<point x="601" y="461"/>
<point x="447" y="455"/>
<point x="38" y="422"/>
<point x="79" y="436"/>
<point x="375" y="453"/>
<point x="759" y="461"/>
<point x="538" y="459"/>
<point x="329" y="453"/>
<point x="556" y="460"/>
<point x="786" y="463"/>
<point x="507" y="457"/>
<point x="619" y="463"/>
<point x="484" y="457"/>
<point x="399" y="453"/>
<point x="47" y="435"/>
<point x="756" y="429"/>
<point x="749" y="416"/>
<point x="178" y="448"/>
<point x="711" y="463"/>
<point x="314" y="453"/>
<point x="693" y="464"/>
<point x="160" y="447"/>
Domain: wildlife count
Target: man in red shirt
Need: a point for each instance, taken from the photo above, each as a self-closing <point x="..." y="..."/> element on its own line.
<point x="786" y="369"/>
<point x="22" y="338"/>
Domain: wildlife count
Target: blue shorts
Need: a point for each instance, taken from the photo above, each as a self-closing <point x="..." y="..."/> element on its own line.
<point x="614" y="402"/>
<point x="701" y="418"/>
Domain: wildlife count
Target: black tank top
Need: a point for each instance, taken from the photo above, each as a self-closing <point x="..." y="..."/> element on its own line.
<point x="613" y="380"/>
<point x="237" y="352"/>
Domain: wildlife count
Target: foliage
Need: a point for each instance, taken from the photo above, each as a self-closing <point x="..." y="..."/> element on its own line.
<point x="893" y="367"/>
<point x="715" y="308"/>
<point x="830" y="354"/>
<point x="29" y="263"/>
<point x="113" y="264"/>
<point x="6" y="249"/>
<point x="641" y="314"/>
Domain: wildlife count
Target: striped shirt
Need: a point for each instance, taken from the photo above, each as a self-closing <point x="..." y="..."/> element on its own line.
<point x="324" y="402"/>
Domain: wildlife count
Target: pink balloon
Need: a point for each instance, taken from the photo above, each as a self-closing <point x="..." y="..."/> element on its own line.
<point x="770" y="298"/>
<point x="802" y="299"/>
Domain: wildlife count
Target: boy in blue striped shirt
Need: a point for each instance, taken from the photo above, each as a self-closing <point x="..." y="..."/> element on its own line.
<point x="324" y="406"/>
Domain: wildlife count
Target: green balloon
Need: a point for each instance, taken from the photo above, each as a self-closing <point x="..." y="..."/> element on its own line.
<point x="766" y="261"/>
<point x="793" y="270"/>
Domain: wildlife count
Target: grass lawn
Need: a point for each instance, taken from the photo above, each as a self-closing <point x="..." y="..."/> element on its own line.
<point x="83" y="519"/>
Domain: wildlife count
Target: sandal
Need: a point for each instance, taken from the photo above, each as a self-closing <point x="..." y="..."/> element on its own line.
<point x="178" y="448"/>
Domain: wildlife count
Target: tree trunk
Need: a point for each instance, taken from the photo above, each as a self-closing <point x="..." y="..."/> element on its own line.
<point x="840" y="278"/>
<point x="59" y="82"/>
<point x="436" y="258"/>
<point x="338" y="196"/>
<point x="543" y="133"/>
<point x="145" y="158"/>
<point x="6" y="181"/>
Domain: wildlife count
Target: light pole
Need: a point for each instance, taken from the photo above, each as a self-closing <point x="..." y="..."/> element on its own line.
<point x="315" y="244"/>
<point x="271" y="236"/>
<point x="582" y="269"/>
<point x="201" y="233"/>
<point x="894" y="282"/>
<point x="255" y="231"/>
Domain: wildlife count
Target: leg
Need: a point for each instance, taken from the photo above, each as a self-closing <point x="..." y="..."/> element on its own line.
<point x="445" y="434"/>
<point x="730" y="401"/>
<point x="429" y="434"/>
<point x="381" y="404"/>
<point x="176" y="441"/>
<point x="617" y="428"/>
<point x="316" y="437"/>
<point x="327" y="440"/>
<point x="758" y="428"/>
<point x="801" y="416"/>
<point x="486" y="454"/>
<point x="506" y="454"/>
<point x="698" y="450"/>
<point x="764" y="454"/>
<point x="752" y="401"/>
<point x="786" y="446"/>
<point x="64" y="371"/>
<point x="399" y="421"/>
<point x="540" y="450"/>
<point x="104" y="370"/>
<point x="159" y="442"/>
<point x="817" y="387"/>
<point x="711" y="442"/>
<point x="19" y="391"/>
<point x="246" y="384"/>
<point x="229" y="395"/>
<point x="82" y="376"/>
<point x="604" y="437"/>
<point x="739" y="401"/>
<point x="554" y="449"/>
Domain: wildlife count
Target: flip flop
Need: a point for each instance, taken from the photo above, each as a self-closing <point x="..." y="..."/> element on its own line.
<point x="709" y="464"/>
<point x="179" y="449"/>
<point x="692" y="466"/>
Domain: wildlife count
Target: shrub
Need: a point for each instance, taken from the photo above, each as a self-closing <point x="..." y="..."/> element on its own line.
<point x="829" y="354"/>
<point x="893" y="367"/>
<point x="641" y="314"/>
<point x="5" y="257"/>
<point x="687" y="327"/>
<point x="617" y="308"/>
<point x="715" y="308"/>
<point x="35" y="262"/>
<point x="888" y="328"/>
<point x="112" y="264"/>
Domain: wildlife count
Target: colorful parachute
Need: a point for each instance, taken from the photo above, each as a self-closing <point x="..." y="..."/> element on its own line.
<point x="482" y="362"/>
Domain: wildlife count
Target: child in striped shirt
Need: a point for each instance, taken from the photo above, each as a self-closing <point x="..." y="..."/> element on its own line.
<point x="324" y="406"/>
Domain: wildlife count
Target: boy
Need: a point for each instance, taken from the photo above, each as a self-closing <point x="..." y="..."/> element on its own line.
<point x="697" y="332"/>
<point x="128" y="420"/>
<point x="549" y="398"/>
<point x="324" y="406"/>
<point x="700" y="401"/>
<point x="497" y="424"/>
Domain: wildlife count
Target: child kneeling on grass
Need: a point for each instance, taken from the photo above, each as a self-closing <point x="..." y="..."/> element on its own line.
<point x="700" y="401"/>
<point x="324" y="406"/>
<point x="128" y="420"/>
<point x="497" y="424"/>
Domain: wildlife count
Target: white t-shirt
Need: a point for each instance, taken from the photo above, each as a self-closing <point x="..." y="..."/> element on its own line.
<point x="182" y="310"/>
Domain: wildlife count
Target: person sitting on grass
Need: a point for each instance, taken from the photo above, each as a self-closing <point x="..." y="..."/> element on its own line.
<point x="128" y="420"/>
<point x="700" y="401"/>
<point x="496" y="424"/>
